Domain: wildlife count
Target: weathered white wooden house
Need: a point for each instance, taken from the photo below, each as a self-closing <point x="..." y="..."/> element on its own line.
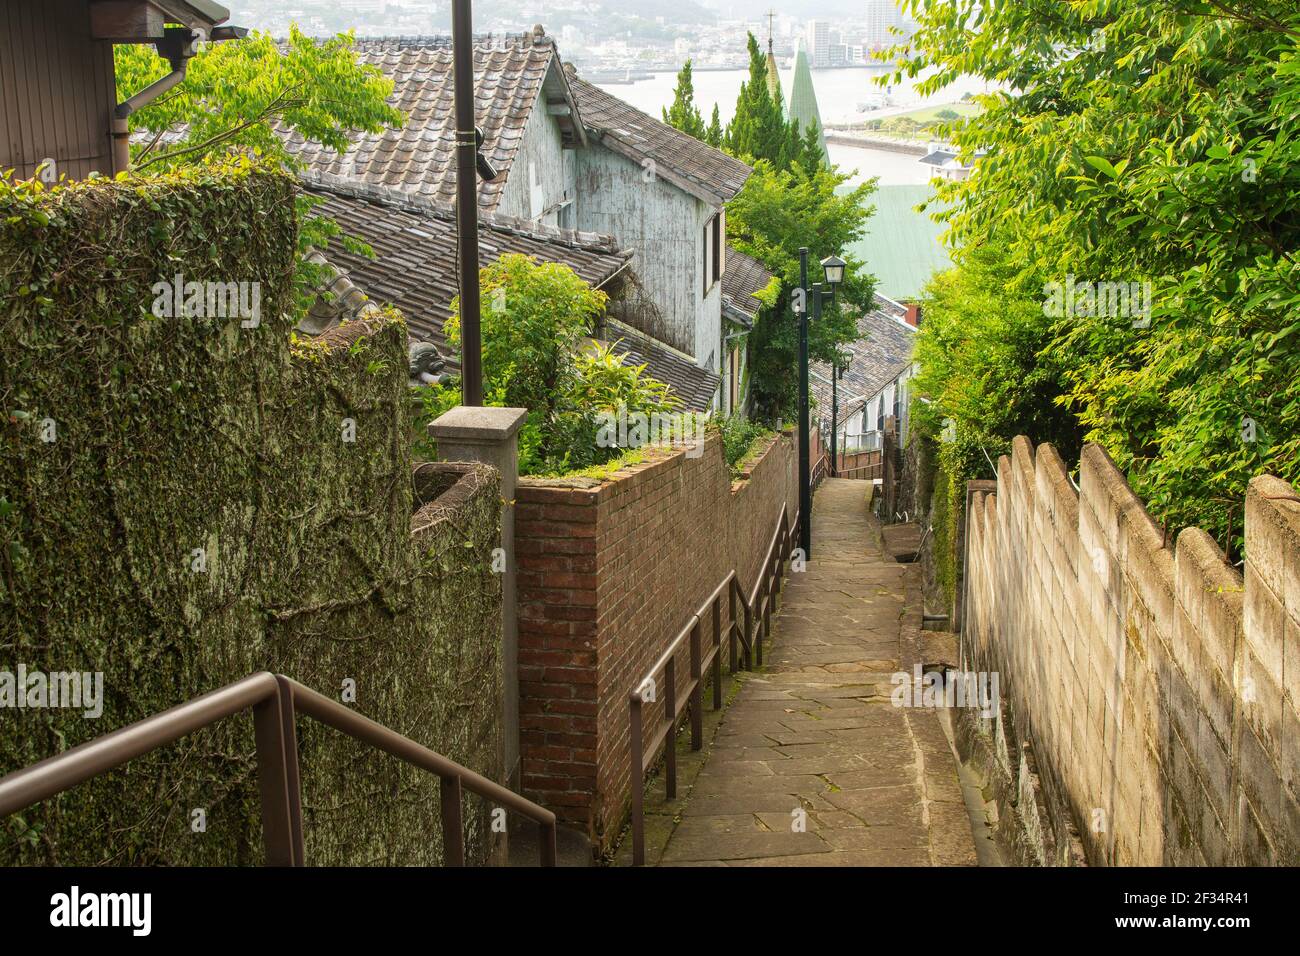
<point x="573" y="157"/>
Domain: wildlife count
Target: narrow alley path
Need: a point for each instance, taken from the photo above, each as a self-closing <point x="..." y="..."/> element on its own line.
<point x="811" y="764"/>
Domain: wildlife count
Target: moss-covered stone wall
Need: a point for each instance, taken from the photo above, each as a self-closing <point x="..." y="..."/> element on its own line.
<point x="186" y="500"/>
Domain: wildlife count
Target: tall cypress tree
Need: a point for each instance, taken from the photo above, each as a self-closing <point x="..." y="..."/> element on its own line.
<point x="684" y="115"/>
<point x="714" y="135"/>
<point x="759" y="130"/>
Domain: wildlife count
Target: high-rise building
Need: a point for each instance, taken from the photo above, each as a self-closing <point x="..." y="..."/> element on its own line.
<point x="883" y="16"/>
<point x="817" y="42"/>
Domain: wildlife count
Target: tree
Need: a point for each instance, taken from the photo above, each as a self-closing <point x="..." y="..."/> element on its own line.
<point x="714" y="134"/>
<point x="759" y="130"/>
<point x="1152" y="149"/>
<point x="536" y="320"/>
<point x="777" y="212"/>
<point x="683" y="114"/>
<point x="235" y="95"/>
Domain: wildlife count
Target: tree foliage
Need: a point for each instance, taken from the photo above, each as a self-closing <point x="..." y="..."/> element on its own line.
<point x="684" y="114"/>
<point x="536" y="320"/>
<point x="237" y="93"/>
<point x="1140" y="142"/>
<point x="777" y="212"/>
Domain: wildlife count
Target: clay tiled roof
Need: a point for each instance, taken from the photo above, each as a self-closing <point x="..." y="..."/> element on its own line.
<point x="882" y="352"/>
<point x="510" y="73"/>
<point x="414" y="242"/>
<point x="743" y="278"/>
<point x="695" y="386"/>
<point x="699" y="169"/>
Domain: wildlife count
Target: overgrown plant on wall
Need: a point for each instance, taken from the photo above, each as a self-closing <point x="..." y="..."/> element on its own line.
<point x="187" y="497"/>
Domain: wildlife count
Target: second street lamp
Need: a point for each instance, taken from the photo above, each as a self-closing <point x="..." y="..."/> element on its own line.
<point x="832" y="268"/>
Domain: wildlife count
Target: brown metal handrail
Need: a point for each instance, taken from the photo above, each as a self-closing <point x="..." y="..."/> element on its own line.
<point x="274" y="700"/>
<point x="757" y="607"/>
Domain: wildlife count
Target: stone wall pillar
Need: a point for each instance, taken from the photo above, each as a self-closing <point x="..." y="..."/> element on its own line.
<point x="477" y="433"/>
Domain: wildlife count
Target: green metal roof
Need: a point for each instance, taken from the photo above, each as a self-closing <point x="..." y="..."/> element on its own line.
<point x="902" y="247"/>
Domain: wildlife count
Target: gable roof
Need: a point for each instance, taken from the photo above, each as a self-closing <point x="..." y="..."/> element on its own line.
<point x="695" y="386"/>
<point x="510" y="75"/>
<point x="414" y="241"/>
<point x="742" y="280"/>
<point x="697" y="168"/>
<point x="883" y="350"/>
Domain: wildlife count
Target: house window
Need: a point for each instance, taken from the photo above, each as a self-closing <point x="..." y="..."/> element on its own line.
<point x="714" y="240"/>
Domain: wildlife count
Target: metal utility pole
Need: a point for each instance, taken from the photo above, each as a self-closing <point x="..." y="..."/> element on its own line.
<point x="471" y="344"/>
<point x="805" y="479"/>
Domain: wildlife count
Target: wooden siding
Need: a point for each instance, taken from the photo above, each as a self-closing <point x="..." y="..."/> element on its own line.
<point x="664" y="228"/>
<point x="56" y="89"/>
<point x="539" y="163"/>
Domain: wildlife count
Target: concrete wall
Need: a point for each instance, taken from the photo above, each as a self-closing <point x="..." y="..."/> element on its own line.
<point x="608" y="576"/>
<point x="1148" y="678"/>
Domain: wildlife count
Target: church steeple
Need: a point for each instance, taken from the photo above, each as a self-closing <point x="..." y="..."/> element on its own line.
<point x="773" y="73"/>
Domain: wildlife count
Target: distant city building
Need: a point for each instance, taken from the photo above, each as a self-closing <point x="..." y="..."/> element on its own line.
<point x="817" y="43"/>
<point x="883" y="18"/>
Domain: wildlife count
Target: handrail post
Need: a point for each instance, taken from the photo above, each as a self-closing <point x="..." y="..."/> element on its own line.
<point x="731" y="616"/>
<point x="749" y="635"/>
<point x="637" y="780"/>
<point x="273" y="780"/>
<point x="453" y="832"/>
<point x="548" y="843"/>
<point x="697" y="714"/>
<point x="288" y="714"/>
<point x="670" y="743"/>
<point x="717" y="652"/>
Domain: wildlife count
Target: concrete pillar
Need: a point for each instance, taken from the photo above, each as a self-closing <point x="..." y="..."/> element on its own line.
<point x="488" y="435"/>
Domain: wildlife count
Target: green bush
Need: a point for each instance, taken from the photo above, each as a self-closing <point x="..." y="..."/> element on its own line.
<point x="537" y="319"/>
<point x="740" y="439"/>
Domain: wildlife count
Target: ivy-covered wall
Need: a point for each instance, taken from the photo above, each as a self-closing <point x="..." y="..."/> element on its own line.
<point x="186" y="500"/>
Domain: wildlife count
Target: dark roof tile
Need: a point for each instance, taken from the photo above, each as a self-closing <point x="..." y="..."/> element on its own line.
<point x="414" y="241"/>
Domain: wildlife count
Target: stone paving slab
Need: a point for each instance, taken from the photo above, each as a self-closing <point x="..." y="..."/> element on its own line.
<point x="812" y="765"/>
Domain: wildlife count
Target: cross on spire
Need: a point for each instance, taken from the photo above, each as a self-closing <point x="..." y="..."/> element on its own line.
<point x="771" y="19"/>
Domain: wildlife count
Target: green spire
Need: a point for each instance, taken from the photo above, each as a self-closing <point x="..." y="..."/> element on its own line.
<point x="803" y="109"/>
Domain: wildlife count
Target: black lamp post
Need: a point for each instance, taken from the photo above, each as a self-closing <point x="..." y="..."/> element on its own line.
<point x="833" y="268"/>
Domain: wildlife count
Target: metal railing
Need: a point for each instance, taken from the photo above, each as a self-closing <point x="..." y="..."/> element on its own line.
<point x="275" y="700"/>
<point x="745" y="643"/>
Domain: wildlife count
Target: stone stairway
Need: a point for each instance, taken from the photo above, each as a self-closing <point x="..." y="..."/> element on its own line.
<point x="812" y="765"/>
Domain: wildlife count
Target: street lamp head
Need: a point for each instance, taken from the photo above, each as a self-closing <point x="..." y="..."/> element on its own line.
<point x="833" y="266"/>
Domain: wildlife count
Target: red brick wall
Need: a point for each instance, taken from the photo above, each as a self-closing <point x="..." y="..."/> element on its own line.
<point x="608" y="576"/>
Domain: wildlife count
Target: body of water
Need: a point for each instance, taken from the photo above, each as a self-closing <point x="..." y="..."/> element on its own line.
<point x="901" y="247"/>
<point x="840" y="93"/>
